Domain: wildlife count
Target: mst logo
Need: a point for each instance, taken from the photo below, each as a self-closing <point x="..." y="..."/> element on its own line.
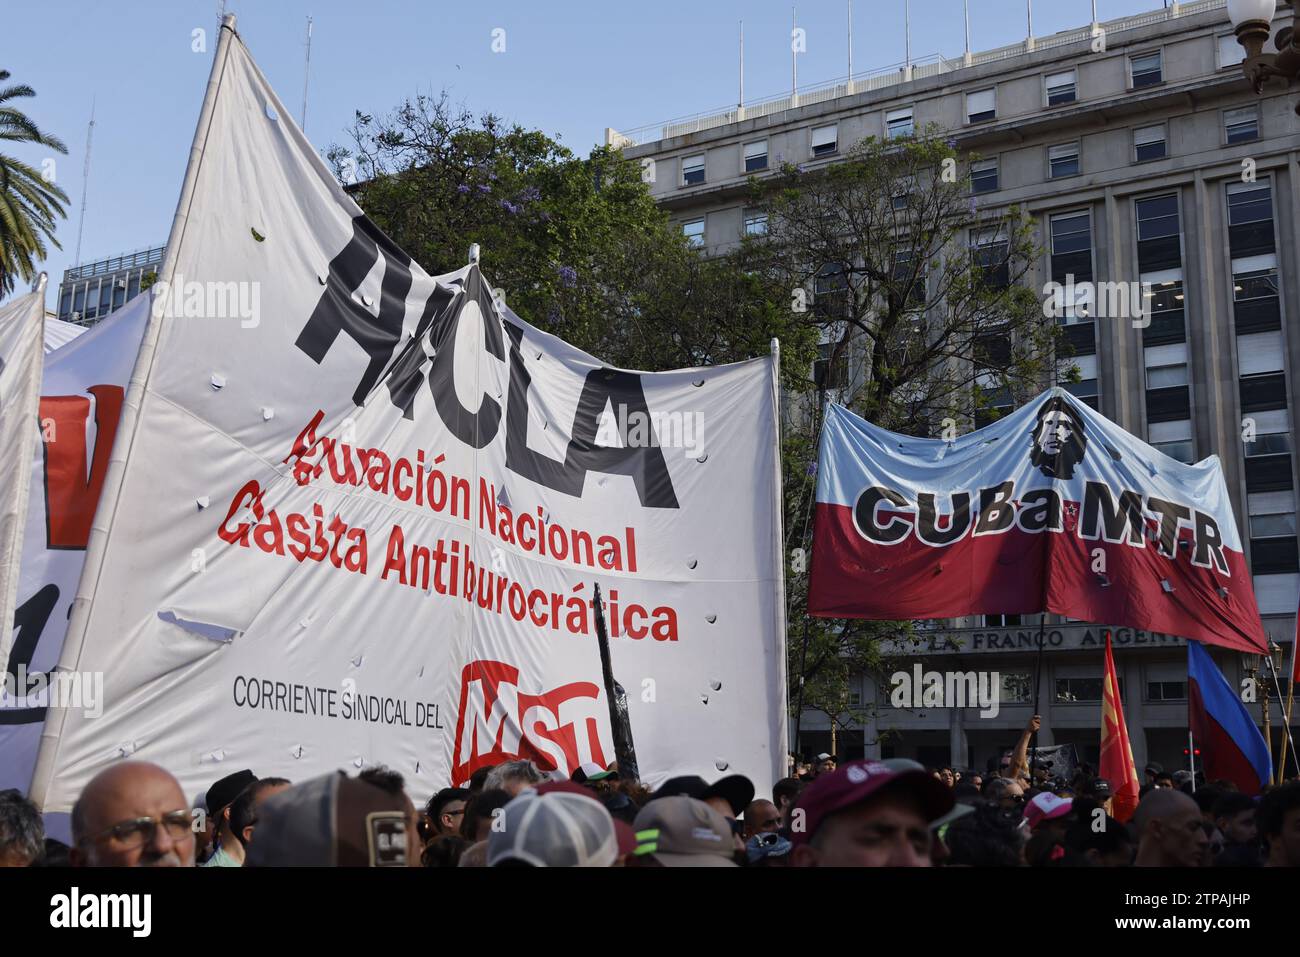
<point x="497" y="722"/>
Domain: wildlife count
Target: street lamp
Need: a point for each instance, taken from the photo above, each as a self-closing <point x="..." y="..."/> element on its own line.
<point x="1252" y="20"/>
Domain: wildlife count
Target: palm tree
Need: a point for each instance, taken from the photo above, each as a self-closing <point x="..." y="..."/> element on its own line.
<point x="28" y="201"/>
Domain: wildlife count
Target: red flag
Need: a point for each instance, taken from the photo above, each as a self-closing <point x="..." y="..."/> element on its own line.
<point x="1117" y="765"/>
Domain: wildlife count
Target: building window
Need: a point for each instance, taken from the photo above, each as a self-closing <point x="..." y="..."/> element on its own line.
<point x="693" y="170"/>
<point x="824" y="140"/>
<point x="1164" y="303"/>
<point x="1250" y="218"/>
<point x="755" y="156"/>
<point x="1262" y="393"/>
<point x="1145" y="69"/>
<point x="990" y="252"/>
<point x="914" y="298"/>
<point x="1173" y="438"/>
<point x="1149" y="143"/>
<point x="1070" y="690"/>
<point x="1241" y="125"/>
<point x="1164" y="377"/>
<point x="1268" y="452"/>
<point x="984" y="176"/>
<point x="1071" y="250"/>
<point x="1002" y="621"/>
<point x="898" y="123"/>
<point x="981" y="105"/>
<point x="1254" y="294"/>
<point x="1231" y="53"/>
<point x="755" y="222"/>
<point x="1063" y="160"/>
<point x="1272" y="532"/>
<point x="1060" y="88"/>
<point x="693" y="230"/>
<point x="1017" y="687"/>
<point x="1166" y="690"/>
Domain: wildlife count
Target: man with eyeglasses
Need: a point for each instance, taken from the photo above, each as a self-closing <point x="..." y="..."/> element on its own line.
<point x="132" y="814"/>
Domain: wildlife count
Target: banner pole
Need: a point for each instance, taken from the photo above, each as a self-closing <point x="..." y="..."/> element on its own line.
<point x="620" y="721"/>
<point x="1280" y="776"/>
<point x="106" y="512"/>
<point x="1038" y="680"/>
<point x="1290" y="702"/>
<point x="780" y="769"/>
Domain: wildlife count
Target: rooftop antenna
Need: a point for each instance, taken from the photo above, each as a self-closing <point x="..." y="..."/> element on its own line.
<point x="740" y="103"/>
<point x="850" y="5"/>
<point x="907" y="29"/>
<point x="794" y="54"/>
<point x="306" y="77"/>
<point x="85" y="183"/>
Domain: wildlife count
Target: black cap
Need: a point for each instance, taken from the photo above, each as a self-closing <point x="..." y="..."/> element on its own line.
<point x="223" y="793"/>
<point x="1154" y="768"/>
<point x="736" y="789"/>
<point x="1099" y="788"/>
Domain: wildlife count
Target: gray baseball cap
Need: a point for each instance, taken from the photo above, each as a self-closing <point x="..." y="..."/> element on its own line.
<point x="680" y="831"/>
<point x="556" y="829"/>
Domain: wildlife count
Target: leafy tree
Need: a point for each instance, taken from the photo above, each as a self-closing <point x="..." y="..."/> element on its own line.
<point x="28" y="202"/>
<point x="576" y="246"/>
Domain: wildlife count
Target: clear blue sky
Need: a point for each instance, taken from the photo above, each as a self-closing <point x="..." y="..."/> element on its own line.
<point x="570" y="68"/>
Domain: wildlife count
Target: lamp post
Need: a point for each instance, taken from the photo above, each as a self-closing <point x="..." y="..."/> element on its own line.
<point x="1253" y="20"/>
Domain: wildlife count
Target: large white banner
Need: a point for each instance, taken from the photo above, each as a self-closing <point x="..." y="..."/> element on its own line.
<point x="363" y="511"/>
<point x="22" y="326"/>
<point x="69" y="441"/>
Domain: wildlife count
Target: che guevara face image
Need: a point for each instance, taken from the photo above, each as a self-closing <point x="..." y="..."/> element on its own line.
<point x="1059" y="441"/>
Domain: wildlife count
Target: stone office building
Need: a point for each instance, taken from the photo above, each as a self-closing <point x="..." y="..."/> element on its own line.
<point x="1131" y="158"/>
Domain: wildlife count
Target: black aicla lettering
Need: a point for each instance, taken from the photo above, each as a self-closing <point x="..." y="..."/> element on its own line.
<point x="338" y="311"/>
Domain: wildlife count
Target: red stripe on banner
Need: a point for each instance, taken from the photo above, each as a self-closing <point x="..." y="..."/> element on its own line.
<point x="1004" y="574"/>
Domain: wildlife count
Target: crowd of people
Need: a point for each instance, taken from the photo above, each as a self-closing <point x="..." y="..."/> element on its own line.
<point x="862" y="813"/>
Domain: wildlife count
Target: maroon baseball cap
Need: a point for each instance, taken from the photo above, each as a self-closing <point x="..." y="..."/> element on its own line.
<point x="858" y="781"/>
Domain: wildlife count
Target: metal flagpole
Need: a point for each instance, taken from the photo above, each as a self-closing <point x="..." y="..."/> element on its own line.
<point x="907" y="32"/>
<point x="1286" y="712"/>
<point x="966" y="12"/>
<point x="794" y="53"/>
<point x="102" y="528"/>
<point x="1191" y="744"/>
<point x="1038" y="681"/>
<point x="1286" y="724"/>
<point x="740" y="103"/>
<point x="850" y="5"/>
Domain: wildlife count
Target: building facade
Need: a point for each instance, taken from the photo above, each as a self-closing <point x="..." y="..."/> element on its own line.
<point x="1144" y="157"/>
<point x="91" y="292"/>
